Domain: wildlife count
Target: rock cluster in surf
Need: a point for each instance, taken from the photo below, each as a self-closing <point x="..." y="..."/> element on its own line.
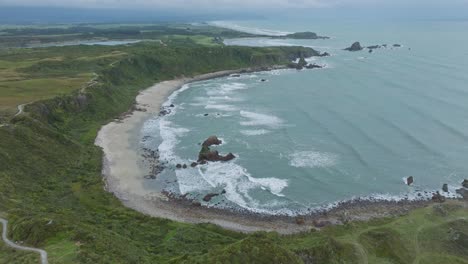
<point x="206" y="154"/>
<point x="356" y="46"/>
<point x="303" y="64"/>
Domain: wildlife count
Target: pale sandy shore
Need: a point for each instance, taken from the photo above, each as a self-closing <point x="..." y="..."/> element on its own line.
<point x="124" y="178"/>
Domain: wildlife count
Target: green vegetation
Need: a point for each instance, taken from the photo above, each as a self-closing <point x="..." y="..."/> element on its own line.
<point x="34" y="36"/>
<point x="51" y="188"/>
<point x="303" y="35"/>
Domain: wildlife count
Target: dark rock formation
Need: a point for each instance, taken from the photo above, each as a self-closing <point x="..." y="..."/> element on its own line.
<point x="184" y="166"/>
<point x="206" y="154"/>
<point x="179" y="166"/>
<point x="374" y="47"/>
<point x="409" y="180"/>
<point x="263" y="80"/>
<point x="325" y="54"/>
<point x="396" y="45"/>
<point x="194" y="164"/>
<point x="355" y="47"/>
<point x="235" y="75"/>
<point x="172" y="105"/>
<point x="445" y="187"/>
<point x="209" y="196"/>
<point x="213" y="140"/>
<point x="206" y="115"/>
<point x="370" y="51"/>
<point x="313" y="66"/>
<point x="465" y="183"/>
<point x="438" y="198"/>
<point x="463" y="192"/>
<point x="213" y="155"/>
<point x="164" y="112"/>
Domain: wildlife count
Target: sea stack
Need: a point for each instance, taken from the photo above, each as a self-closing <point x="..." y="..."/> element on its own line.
<point x="206" y="154"/>
<point x="355" y="47"/>
<point x="409" y="180"/>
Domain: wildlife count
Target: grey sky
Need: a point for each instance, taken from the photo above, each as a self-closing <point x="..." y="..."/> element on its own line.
<point x="235" y="4"/>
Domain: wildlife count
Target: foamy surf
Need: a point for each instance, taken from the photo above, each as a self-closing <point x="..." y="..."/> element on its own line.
<point x="258" y="119"/>
<point x="254" y="132"/>
<point x="312" y="159"/>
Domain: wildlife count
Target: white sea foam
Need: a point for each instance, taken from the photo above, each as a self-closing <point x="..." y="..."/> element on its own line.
<point x="169" y="135"/>
<point x="257" y="119"/>
<point x="174" y="95"/>
<point x="222" y="107"/>
<point x="312" y="159"/>
<point x="189" y="182"/>
<point x="226" y="89"/>
<point x="254" y="132"/>
<point x="237" y="183"/>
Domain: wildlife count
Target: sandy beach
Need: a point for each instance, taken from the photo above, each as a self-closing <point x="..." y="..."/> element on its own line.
<point x="123" y="175"/>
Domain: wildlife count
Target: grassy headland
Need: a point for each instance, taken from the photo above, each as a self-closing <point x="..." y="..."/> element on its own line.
<point x="51" y="187"/>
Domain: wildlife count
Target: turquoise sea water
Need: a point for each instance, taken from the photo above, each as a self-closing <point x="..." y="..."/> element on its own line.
<point x="307" y="139"/>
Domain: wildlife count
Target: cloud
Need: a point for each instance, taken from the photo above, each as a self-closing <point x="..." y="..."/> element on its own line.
<point x="229" y="4"/>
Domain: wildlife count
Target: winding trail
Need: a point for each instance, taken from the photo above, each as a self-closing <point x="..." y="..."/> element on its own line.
<point x="13" y="245"/>
<point x="21" y="109"/>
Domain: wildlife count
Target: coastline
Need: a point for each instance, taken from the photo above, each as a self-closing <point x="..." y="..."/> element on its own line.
<point x="122" y="175"/>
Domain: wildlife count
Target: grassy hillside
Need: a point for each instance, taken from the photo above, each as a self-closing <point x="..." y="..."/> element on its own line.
<point x="52" y="192"/>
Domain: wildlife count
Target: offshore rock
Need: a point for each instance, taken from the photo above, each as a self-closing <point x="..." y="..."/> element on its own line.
<point x="445" y="187"/>
<point x="463" y="192"/>
<point x="465" y="183"/>
<point x="355" y="47"/>
<point x="409" y="180"/>
<point x="206" y="154"/>
<point x="213" y="140"/>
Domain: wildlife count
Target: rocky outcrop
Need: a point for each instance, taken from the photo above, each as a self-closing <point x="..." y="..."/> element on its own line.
<point x="206" y="154"/>
<point x="303" y="64"/>
<point x="325" y="54"/>
<point x="463" y="192"/>
<point x="213" y="140"/>
<point x="396" y="45"/>
<point x="374" y="47"/>
<point x="209" y="196"/>
<point x="465" y="183"/>
<point x="313" y="66"/>
<point x="445" y="187"/>
<point x="355" y="47"/>
<point x="409" y="180"/>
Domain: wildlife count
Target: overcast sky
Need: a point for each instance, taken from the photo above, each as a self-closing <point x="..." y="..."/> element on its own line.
<point x="236" y="4"/>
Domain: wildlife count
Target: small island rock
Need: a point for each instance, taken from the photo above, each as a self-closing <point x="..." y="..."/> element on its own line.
<point x="445" y="187"/>
<point x="355" y="47"/>
<point x="465" y="183"/>
<point x="409" y="180"/>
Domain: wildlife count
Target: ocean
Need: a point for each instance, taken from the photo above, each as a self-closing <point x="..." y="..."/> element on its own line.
<point x="306" y="140"/>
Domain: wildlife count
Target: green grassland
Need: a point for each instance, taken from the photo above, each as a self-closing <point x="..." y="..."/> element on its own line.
<point x="51" y="188"/>
<point x="26" y="36"/>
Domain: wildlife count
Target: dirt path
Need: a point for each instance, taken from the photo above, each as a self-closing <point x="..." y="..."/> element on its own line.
<point x="13" y="245"/>
<point x="21" y="109"/>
